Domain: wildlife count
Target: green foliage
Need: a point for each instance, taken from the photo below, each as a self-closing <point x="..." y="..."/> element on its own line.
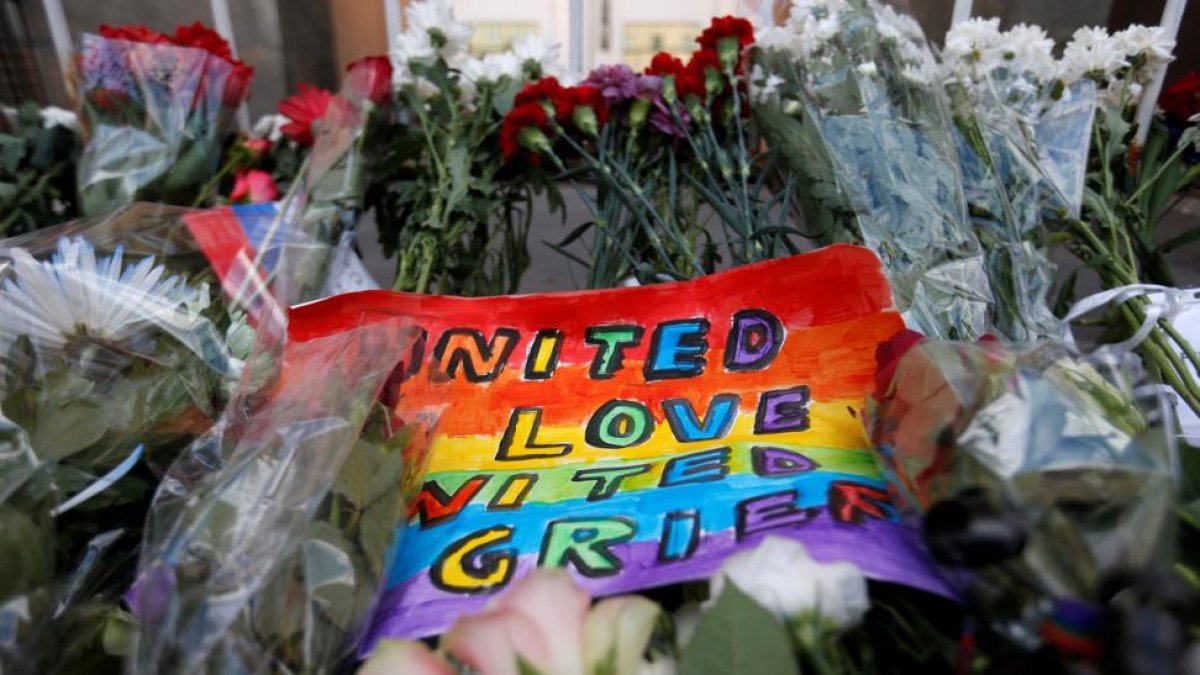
<point x="37" y="173"/>
<point x="454" y="217"/>
<point x="736" y="635"/>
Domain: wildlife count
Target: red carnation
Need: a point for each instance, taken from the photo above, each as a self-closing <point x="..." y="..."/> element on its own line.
<point x="304" y="109"/>
<point x="371" y="77"/>
<point x="525" y="127"/>
<point x="134" y="33"/>
<point x="257" y="147"/>
<point x="547" y="88"/>
<point x="688" y="82"/>
<point x="584" y="106"/>
<point x="591" y="97"/>
<point x="726" y="27"/>
<point x="664" y="64"/>
<point x="1181" y="100"/>
<point x="199" y="36"/>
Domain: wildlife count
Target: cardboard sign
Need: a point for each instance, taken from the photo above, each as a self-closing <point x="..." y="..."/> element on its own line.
<point x="638" y="436"/>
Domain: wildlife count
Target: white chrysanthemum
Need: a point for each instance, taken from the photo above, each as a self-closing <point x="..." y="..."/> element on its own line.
<point x="52" y="116"/>
<point x="777" y="37"/>
<point x="74" y="296"/>
<point x="491" y="68"/>
<point x="437" y="16"/>
<point x="1149" y="42"/>
<point x="1030" y="50"/>
<point x="893" y="24"/>
<point x="867" y="69"/>
<point x="1091" y="53"/>
<point x="973" y="40"/>
<point x="535" y="48"/>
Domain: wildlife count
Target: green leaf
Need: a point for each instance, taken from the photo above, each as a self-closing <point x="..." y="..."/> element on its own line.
<point x="377" y="531"/>
<point x="66" y="430"/>
<point x="12" y="149"/>
<point x="738" y="636"/>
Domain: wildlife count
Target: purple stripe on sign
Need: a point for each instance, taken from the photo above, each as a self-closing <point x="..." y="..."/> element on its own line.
<point x="883" y="550"/>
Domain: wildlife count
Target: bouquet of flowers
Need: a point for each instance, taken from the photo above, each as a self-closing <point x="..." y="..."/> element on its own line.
<point x="1071" y="121"/>
<point x="847" y="88"/>
<point x="156" y="111"/>
<point x="455" y="218"/>
<point x="114" y="355"/>
<point x="1044" y="482"/>
<point x="654" y="154"/>
<point x="267" y="542"/>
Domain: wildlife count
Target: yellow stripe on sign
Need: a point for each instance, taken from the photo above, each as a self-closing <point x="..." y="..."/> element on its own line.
<point x="831" y="426"/>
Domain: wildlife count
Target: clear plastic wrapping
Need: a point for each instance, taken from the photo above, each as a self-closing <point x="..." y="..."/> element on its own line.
<point x="857" y="86"/>
<point x="267" y="542"/>
<point x="1072" y="449"/>
<point x="116" y="349"/>
<point x="154" y="119"/>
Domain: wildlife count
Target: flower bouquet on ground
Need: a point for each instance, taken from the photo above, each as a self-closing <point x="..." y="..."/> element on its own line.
<point x="1095" y="187"/>
<point x="115" y="352"/>
<point x="848" y="88"/>
<point x="654" y="155"/>
<point x="1045" y="485"/>
<point x="268" y="541"/>
<point x="454" y="217"/>
<point x="156" y="111"/>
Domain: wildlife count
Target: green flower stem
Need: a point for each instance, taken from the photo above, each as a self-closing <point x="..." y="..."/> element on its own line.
<point x="212" y="184"/>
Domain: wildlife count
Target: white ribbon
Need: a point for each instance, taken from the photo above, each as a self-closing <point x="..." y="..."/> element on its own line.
<point x="102" y="484"/>
<point x="1165" y="303"/>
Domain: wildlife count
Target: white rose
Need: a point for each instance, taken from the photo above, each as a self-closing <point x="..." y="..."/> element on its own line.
<point x="779" y="575"/>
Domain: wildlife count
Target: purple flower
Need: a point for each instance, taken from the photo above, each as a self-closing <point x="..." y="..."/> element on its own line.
<point x="648" y="87"/>
<point x="616" y="83"/>
<point x="663" y="121"/>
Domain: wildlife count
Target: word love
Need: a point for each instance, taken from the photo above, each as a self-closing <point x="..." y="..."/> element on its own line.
<point x="677" y="349"/>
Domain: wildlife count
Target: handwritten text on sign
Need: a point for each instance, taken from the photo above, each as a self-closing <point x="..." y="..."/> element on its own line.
<point x="638" y="436"/>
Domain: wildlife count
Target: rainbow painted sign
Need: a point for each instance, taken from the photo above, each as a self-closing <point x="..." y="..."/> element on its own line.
<point x="638" y="436"/>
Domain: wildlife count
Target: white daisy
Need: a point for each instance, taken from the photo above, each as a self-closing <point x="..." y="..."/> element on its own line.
<point x="437" y="16"/>
<point x="73" y="299"/>
<point x="491" y="68"/>
<point x="537" y="49"/>
<point x="1091" y="53"/>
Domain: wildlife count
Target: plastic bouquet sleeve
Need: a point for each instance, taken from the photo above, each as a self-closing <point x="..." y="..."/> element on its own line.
<point x="319" y="214"/>
<point x="154" y="117"/>
<point x="116" y="351"/>
<point x="267" y="542"/>
<point x="1071" y="449"/>
<point x="859" y="101"/>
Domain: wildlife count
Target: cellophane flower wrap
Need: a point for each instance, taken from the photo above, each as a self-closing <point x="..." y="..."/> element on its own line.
<point x="268" y="542"/>
<point x="155" y="112"/>
<point x="117" y="348"/>
<point x="848" y="88"/>
<point x="1073" y="448"/>
<point x="123" y="338"/>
